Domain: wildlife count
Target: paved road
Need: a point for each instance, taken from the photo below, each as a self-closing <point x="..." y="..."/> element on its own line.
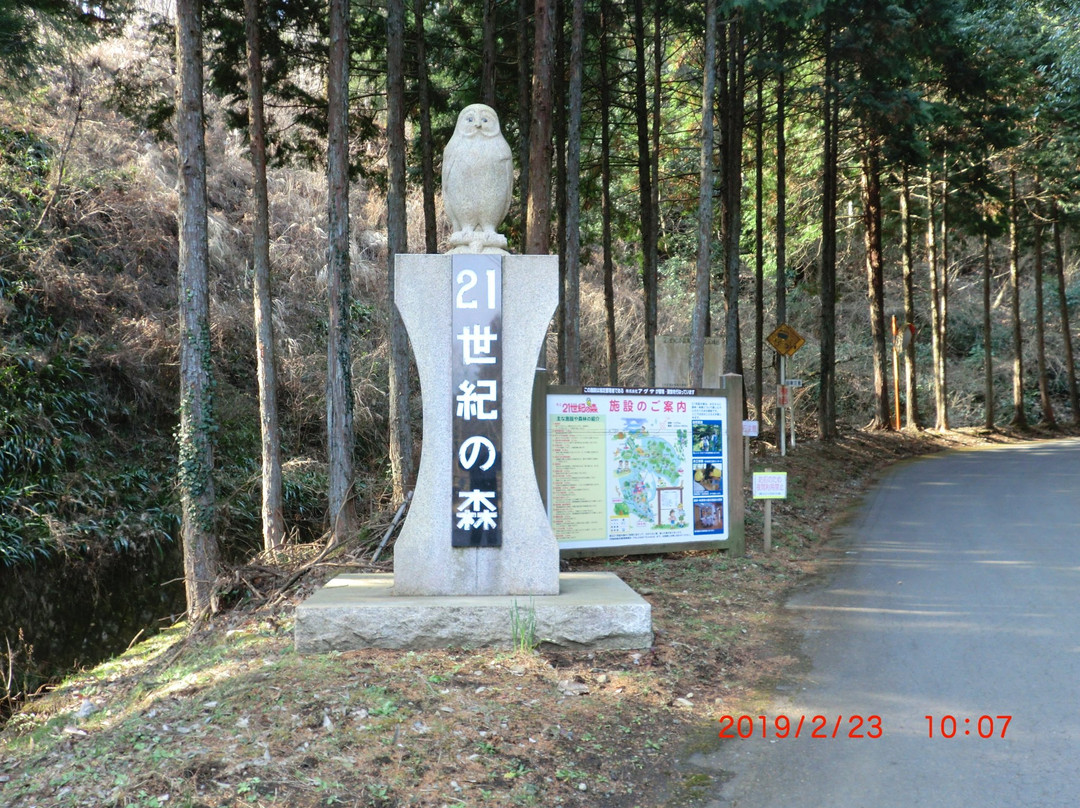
<point x="956" y="592"/>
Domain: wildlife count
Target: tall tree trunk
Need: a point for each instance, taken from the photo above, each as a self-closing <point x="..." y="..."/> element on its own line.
<point x="1019" y="418"/>
<point x="875" y="279"/>
<point x="487" y="71"/>
<point x="571" y="305"/>
<point x="273" y="523"/>
<point x="559" y="126"/>
<point x="781" y="188"/>
<point x="830" y="158"/>
<point x="734" y="114"/>
<point x="1063" y="308"/>
<point x="723" y="101"/>
<point x="538" y="226"/>
<point x="648" y="219"/>
<point x="657" y="98"/>
<point x="942" y="386"/>
<point x="988" y="354"/>
<point x="605" y="195"/>
<point x="427" y="157"/>
<point x="339" y="395"/>
<point x="196" y="455"/>
<point x="397" y="243"/>
<point x="705" y="204"/>
<point x="910" y="379"/>
<point x="933" y="262"/>
<point x="759" y="244"/>
<point x="524" y="51"/>
<point x="781" y="180"/>
<point x="1040" y="326"/>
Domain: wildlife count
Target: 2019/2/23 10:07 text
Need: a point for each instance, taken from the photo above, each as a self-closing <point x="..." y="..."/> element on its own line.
<point x="856" y="726"/>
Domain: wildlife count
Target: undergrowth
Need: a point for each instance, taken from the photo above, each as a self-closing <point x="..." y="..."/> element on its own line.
<point x="65" y="485"/>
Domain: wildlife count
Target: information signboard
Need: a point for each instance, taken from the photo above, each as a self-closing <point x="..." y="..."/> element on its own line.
<point x="637" y="467"/>
<point x="770" y="485"/>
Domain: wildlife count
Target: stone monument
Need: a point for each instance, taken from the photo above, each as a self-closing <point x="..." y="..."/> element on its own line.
<point x="476" y="548"/>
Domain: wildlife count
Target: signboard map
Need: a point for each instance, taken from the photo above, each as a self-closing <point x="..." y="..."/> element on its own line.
<point x="636" y="467"/>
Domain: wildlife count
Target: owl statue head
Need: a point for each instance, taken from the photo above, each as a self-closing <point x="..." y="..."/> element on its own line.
<point x="477" y="119"/>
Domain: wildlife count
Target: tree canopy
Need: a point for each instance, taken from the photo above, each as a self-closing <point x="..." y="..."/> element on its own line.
<point x="34" y="33"/>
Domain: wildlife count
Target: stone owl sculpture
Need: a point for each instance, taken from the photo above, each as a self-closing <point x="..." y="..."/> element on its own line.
<point x="478" y="181"/>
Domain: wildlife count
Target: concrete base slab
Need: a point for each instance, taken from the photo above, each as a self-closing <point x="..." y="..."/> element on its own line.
<point x="592" y="610"/>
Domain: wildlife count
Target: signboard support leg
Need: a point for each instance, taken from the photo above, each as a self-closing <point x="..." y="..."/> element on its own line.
<point x="792" y="416"/>
<point x="768" y="526"/>
<point x="781" y="430"/>
<point x="896" y="372"/>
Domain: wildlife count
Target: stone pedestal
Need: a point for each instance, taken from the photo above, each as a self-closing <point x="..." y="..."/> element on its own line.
<point x="593" y="610"/>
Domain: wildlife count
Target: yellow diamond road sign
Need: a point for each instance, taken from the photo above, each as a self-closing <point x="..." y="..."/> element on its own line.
<point x="786" y="340"/>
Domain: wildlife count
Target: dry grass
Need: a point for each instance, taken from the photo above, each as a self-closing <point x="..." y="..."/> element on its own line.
<point x="106" y="264"/>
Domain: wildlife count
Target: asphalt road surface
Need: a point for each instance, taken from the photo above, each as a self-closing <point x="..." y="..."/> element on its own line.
<point x="955" y="594"/>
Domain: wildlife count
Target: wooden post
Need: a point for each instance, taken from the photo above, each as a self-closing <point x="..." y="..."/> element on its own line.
<point x="791" y="406"/>
<point x="781" y="428"/>
<point x="896" y="371"/>
<point x="768" y="526"/>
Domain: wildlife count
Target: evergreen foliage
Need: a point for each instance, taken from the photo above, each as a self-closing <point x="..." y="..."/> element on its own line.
<point x="34" y="33"/>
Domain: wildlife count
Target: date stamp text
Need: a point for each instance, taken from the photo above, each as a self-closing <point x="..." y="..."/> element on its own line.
<point x="781" y="726"/>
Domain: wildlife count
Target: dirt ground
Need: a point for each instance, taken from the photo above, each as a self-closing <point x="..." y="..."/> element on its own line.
<point x="230" y="715"/>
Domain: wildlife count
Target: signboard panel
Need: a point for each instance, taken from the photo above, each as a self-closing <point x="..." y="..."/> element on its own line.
<point x="477" y="381"/>
<point x="785" y="340"/>
<point x="770" y="485"/>
<point x="641" y="467"/>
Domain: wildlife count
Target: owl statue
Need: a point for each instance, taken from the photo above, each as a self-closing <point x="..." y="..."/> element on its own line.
<point x="478" y="181"/>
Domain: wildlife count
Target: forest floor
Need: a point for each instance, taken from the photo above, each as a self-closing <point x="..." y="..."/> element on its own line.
<point x="230" y="715"/>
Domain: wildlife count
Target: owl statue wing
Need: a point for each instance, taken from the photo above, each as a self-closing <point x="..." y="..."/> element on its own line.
<point x="506" y="162"/>
<point x="450" y="157"/>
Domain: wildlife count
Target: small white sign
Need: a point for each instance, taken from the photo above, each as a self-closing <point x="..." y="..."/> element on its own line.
<point x="770" y="485"/>
<point x="750" y="429"/>
<point x="793" y="382"/>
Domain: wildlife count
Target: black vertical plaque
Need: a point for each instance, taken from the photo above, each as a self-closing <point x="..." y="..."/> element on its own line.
<point x="477" y="400"/>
